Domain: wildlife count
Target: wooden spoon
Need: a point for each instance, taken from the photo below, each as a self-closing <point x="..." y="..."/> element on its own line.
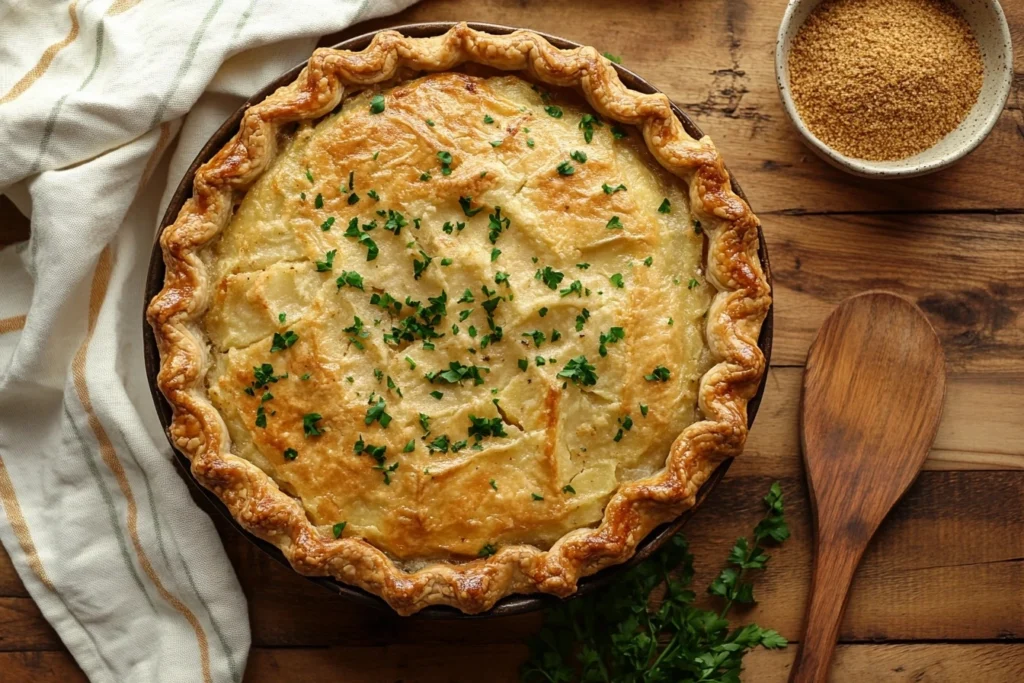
<point x="873" y="391"/>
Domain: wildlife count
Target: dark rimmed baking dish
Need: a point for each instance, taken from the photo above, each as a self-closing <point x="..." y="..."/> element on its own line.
<point x="513" y="604"/>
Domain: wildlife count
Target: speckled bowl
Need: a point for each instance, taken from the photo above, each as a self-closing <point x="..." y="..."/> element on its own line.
<point x="993" y="34"/>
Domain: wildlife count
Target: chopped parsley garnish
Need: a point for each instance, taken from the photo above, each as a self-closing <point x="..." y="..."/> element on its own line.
<point x="305" y="376"/>
<point x="319" y="201"/>
<point x="576" y="287"/>
<point x="587" y="123"/>
<point x="437" y="394"/>
<point x="465" y="203"/>
<point x="456" y="373"/>
<point x="309" y="176"/>
<point x="410" y="447"/>
<point x="553" y="111"/>
<point x="582" y="319"/>
<point x="618" y="133"/>
<point x="364" y="239"/>
<point x="537" y="496"/>
<point x="487" y="119"/>
<point x="495" y="143"/>
<point x="568" y="489"/>
<point x="579" y="371"/>
<point x="666" y="206"/>
<point x="579" y="156"/>
<point x="425" y="176"/>
<point x="481" y="427"/>
<point x="608" y="189"/>
<point x="425" y="423"/>
<point x="309" y="425"/>
<point x="338" y="528"/>
<point x="446" y="162"/>
<point x="614" y="335"/>
<point x="465" y="314"/>
<point x="693" y="283"/>
<point x="448" y="227"/>
<point x="283" y="341"/>
<point x="281" y="317"/>
<point x="659" y="374"/>
<point x="327" y="263"/>
<point x="263" y="375"/>
<point x="420" y="267"/>
<point x="439" y="445"/>
<point x="537" y="336"/>
<point x="529" y="142"/>
<point x="583" y="266"/>
<point x="395" y="222"/>
<point x="565" y="169"/>
<point x="494" y="485"/>
<point x="497" y="223"/>
<point x="610" y="57"/>
<point x="326" y="225"/>
<point x="488" y="549"/>
<point x="372" y="194"/>
<point x="446" y="262"/>
<point x="377" y="104"/>
<point x="552" y="278"/>
<point x="376" y="412"/>
<point x="539" y="361"/>
<point x="643" y="409"/>
<point x="357" y="329"/>
<point x="290" y="454"/>
<point x="350" y="278"/>
<point x="543" y="311"/>
<point x="648" y="261"/>
<point x="261" y="418"/>
<point x="614" y="223"/>
<point x="616" y="280"/>
<point x="385" y="301"/>
<point x="495" y="253"/>
<point x="501" y="278"/>
<point x="430" y="123"/>
<point x="523" y="364"/>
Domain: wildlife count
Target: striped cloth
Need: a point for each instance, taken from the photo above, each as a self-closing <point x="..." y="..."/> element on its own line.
<point x="93" y="94"/>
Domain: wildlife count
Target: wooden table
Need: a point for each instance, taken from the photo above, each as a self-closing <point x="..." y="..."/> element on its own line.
<point x="940" y="594"/>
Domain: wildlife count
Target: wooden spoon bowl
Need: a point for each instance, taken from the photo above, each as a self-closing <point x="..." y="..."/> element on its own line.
<point x="873" y="393"/>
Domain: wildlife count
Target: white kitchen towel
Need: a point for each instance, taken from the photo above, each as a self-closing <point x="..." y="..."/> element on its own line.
<point x="100" y="527"/>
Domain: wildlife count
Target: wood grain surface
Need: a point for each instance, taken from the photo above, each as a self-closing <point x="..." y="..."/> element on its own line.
<point x="940" y="591"/>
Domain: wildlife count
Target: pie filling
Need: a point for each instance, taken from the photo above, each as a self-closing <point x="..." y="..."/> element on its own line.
<point x="457" y="314"/>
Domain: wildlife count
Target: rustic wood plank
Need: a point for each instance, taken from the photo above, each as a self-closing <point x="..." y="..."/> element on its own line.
<point x="715" y="60"/>
<point x="932" y="663"/>
<point x="981" y="426"/>
<point x="23" y="627"/>
<point x="965" y="272"/>
<point x="924" y="663"/>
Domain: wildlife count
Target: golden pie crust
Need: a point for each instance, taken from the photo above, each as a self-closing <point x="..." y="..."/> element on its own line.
<point x="564" y="490"/>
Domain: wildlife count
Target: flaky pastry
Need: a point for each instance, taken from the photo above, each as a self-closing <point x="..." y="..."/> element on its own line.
<point x="449" y="335"/>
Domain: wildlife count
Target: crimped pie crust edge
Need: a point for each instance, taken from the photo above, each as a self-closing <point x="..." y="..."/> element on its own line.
<point x="734" y="322"/>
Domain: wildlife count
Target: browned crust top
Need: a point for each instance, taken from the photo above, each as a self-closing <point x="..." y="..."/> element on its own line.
<point x="733" y="325"/>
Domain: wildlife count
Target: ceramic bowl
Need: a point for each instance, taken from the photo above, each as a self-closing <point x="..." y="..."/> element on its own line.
<point x="513" y="604"/>
<point x="993" y="34"/>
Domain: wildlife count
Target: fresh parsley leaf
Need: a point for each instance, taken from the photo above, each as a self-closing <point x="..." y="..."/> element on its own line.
<point x="610" y="57"/>
<point x="578" y="155"/>
<point x="658" y="374"/>
<point x="553" y="111"/>
<point x="327" y="264"/>
<point x="377" y="104"/>
<point x="579" y="371"/>
<point x="309" y="426"/>
<point x="283" y="341"/>
<point x="614" y="223"/>
<point x="466" y="203"/>
<point x="617" y="280"/>
<point x="666" y="206"/>
<point x="565" y="169"/>
<point x="552" y="278"/>
<point x="608" y="189"/>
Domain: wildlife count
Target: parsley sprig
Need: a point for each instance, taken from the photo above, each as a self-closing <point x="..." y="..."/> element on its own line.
<point x="617" y="635"/>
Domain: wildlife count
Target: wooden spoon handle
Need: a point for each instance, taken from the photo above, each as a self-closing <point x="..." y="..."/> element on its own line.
<point x="834" y="565"/>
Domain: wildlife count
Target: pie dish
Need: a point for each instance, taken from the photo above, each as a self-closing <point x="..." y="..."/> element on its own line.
<point x="458" y="317"/>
